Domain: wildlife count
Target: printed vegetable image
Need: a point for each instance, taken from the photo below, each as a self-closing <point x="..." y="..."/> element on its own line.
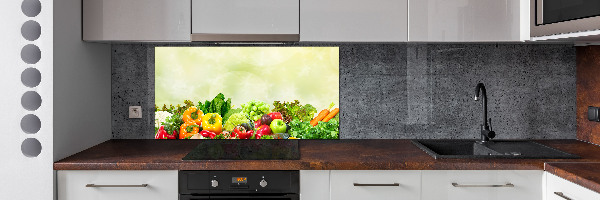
<point x="187" y="116"/>
<point x="212" y="122"/>
<point x="325" y="115"/>
<point x="294" y="110"/>
<point x="218" y="105"/>
<point x="235" y="120"/>
<point x="255" y="109"/>
<point x="331" y="115"/>
<point x="190" y="122"/>
<point x="246" y="92"/>
<point x="242" y="133"/>
<point x="185" y="133"/>
<point x="266" y="119"/>
<point x="278" y="126"/>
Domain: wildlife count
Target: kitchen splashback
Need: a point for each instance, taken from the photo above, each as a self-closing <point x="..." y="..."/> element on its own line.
<point x="392" y="91"/>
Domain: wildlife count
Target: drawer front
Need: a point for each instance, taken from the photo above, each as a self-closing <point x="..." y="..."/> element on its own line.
<point x="161" y="185"/>
<point x="314" y="185"/>
<point x="566" y="189"/>
<point x="482" y="184"/>
<point x="377" y="185"/>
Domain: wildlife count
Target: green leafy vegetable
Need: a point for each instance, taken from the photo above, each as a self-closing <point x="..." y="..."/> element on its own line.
<point x="266" y="137"/>
<point x="323" y="130"/>
<point x="217" y="105"/>
<point x="173" y="123"/>
<point x="220" y="136"/>
<point x="294" y="111"/>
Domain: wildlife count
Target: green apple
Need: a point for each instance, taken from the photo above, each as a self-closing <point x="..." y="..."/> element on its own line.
<point x="278" y="126"/>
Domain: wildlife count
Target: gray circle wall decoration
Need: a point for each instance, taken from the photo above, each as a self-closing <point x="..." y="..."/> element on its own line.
<point x="31" y="54"/>
<point x="31" y="8"/>
<point x="31" y="100"/>
<point x="31" y="30"/>
<point x="31" y="77"/>
<point x="31" y="124"/>
<point x="31" y="147"/>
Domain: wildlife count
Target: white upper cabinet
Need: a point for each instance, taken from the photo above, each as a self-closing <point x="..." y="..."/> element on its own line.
<point x="243" y="20"/>
<point x="354" y="20"/>
<point x="136" y="20"/>
<point x="468" y="20"/>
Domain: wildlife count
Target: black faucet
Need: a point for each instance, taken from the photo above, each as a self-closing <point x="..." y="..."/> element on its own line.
<point x="486" y="129"/>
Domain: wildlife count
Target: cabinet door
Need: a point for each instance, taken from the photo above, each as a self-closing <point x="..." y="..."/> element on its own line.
<point x="314" y="185"/>
<point x="117" y="185"/>
<point x="136" y="20"/>
<point x="561" y="189"/>
<point x="245" y="17"/>
<point x="482" y="184"/>
<point x="354" y="20"/>
<point x="379" y="185"/>
<point x="468" y="20"/>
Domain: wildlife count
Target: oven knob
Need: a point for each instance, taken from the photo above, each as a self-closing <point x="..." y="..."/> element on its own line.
<point x="214" y="183"/>
<point x="263" y="183"/>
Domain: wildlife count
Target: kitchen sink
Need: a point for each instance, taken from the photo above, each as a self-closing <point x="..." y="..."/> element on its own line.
<point x="518" y="149"/>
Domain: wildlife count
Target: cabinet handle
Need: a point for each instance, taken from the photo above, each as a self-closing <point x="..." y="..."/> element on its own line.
<point x="505" y="185"/>
<point x="560" y="194"/>
<point x="361" y="184"/>
<point x="94" y="185"/>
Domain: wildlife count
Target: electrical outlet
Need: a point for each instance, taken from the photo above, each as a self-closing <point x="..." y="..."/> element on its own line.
<point x="135" y="112"/>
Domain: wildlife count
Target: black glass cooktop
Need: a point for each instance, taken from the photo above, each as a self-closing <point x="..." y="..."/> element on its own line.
<point x="245" y="150"/>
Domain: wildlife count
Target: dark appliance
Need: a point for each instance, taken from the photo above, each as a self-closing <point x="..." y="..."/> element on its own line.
<point x="235" y="185"/>
<point x="554" y="11"/>
<point x="554" y="17"/>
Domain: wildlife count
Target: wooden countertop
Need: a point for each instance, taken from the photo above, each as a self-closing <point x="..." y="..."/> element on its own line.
<point x="581" y="173"/>
<point x="315" y="155"/>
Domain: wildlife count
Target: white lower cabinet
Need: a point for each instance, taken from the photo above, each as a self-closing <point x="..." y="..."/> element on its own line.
<point x="375" y="185"/>
<point x="314" y="185"/>
<point x="482" y="184"/>
<point x="561" y="189"/>
<point x="117" y="185"/>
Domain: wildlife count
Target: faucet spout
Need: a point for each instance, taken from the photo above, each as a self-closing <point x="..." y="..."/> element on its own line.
<point x="486" y="132"/>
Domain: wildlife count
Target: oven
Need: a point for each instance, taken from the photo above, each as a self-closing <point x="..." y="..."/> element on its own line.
<point x="556" y="17"/>
<point x="234" y="185"/>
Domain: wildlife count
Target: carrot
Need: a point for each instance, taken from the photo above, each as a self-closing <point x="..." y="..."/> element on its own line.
<point x="319" y="117"/>
<point x="331" y="114"/>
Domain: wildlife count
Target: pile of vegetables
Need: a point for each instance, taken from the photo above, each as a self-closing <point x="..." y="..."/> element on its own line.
<point x="255" y="109"/>
<point x="217" y="119"/>
<point x="294" y="111"/>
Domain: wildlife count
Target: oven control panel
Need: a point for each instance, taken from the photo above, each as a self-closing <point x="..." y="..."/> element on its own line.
<point x="228" y="182"/>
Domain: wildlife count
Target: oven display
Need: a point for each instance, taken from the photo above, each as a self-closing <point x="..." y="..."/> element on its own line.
<point x="239" y="180"/>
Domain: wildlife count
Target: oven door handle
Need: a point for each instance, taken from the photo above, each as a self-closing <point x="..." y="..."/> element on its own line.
<point x="252" y="197"/>
<point x="192" y="197"/>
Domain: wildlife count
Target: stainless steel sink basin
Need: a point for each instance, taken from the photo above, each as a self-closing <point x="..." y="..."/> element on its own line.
<point x="493" y="149"/>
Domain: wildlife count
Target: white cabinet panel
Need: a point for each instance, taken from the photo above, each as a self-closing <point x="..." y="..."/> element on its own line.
<point x="162" y="185"/>
<point x="343" y="185"/>
<point x="438" y="185"/>
<point x="354" y="20"/>
<point x="136" y="20"/>
<point x="314" y="185"/>
<point x="567" y="189"/>
<point x="468" y="20"/>
<point x="245" y="17"/>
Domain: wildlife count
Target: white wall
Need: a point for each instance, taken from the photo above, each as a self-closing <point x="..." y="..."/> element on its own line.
<point x="24" y="177"/>
<point x="82" y="84"/>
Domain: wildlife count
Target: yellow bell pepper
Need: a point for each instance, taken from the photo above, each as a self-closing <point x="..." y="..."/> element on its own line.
<point x="212" y="122"/>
